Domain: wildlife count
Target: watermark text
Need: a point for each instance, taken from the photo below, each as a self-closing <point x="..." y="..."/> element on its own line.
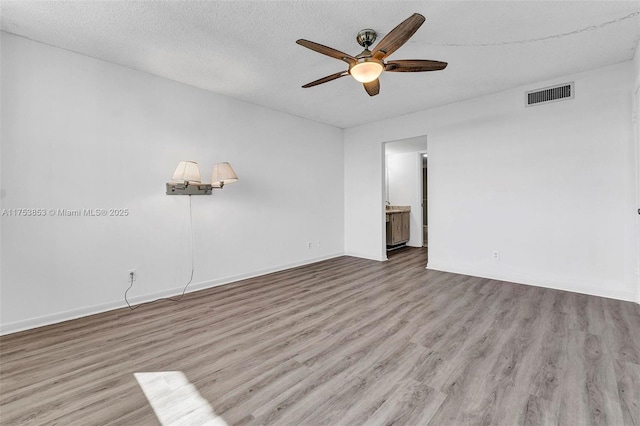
<point x="61" y="212"/>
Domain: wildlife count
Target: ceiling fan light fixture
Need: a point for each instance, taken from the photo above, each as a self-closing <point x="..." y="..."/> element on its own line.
<point x="367" y="66"/>
<point x="366" y="71"/>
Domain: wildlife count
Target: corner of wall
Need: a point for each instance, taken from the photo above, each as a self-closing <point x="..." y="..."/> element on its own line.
<point x="636" y="119"/>
<point x="636" y="67"/>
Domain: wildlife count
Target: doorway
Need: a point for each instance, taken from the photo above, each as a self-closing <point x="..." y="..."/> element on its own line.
<point x="405" y="183"/>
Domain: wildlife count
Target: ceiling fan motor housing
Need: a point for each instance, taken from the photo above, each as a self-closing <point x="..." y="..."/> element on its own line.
<point x="366" y="37"/>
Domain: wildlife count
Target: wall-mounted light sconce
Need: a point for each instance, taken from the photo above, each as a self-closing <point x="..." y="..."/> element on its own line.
<point x="186" y="179"/>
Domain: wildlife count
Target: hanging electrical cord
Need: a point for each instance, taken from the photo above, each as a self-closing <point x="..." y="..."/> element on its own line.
<point x="190" y="278"/>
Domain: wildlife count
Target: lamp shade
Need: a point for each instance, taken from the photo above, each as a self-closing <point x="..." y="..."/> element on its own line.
<point x="187" y="171"/>
<point x="366" y="72"/>
<point x="222" y="175"/>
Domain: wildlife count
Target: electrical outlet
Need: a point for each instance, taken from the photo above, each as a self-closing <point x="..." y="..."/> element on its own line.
<point x="319" y="243"/>
<point x="496" y="255"/>
<point x="309" y="245"/>
<point x="132" y="273"/>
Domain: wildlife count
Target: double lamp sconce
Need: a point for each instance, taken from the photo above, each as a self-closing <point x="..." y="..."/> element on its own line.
<point x="186" y="179"/>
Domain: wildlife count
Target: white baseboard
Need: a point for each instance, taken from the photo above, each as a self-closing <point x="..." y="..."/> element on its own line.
<point x="32" y="323"/>
<point x="628" y="296"/>
<point x="366" y="256"/>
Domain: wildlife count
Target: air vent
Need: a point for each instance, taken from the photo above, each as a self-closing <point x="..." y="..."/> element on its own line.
<point x="549" y="94"/>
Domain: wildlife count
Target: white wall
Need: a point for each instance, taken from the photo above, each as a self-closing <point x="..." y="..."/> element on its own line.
<point x="83" y="133"/>
<point x="550" y="187"/>
<point x="636" y="115"/>
<point x="364" y="195"/>
<point x="636" y="66"/>
<point x="405" y="189"/>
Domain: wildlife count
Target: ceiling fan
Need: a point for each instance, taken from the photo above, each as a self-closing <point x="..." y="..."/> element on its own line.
<point x="367" y="66"/>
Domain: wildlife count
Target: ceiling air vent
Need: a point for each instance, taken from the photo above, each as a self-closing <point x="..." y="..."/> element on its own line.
<point x="549" y="94"/>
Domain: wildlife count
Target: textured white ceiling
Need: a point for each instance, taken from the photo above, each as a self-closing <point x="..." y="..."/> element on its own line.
<point x="247" y="49"/>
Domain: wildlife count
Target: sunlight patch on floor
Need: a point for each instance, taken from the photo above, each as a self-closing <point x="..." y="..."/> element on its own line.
<point x="176" y="401"/>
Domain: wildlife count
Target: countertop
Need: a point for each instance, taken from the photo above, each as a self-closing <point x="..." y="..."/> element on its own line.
<point x="397" y="209"/>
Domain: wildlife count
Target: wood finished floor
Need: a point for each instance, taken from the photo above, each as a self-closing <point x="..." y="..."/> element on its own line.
<point x="342" y="342"/>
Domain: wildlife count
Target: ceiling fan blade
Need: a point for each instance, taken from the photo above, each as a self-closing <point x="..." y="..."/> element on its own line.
<point x="398" y="36"/>
<point x="372" y="88"/>
<point x="414" y="65"/>
<point x="327" y="51"/>
<point x="327" y="78"/>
